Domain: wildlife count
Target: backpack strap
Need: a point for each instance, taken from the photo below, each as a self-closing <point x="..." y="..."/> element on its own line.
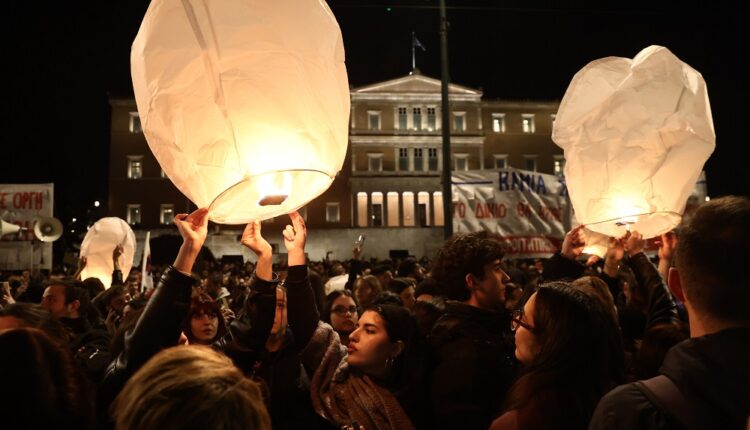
<point x="669" y="399"/>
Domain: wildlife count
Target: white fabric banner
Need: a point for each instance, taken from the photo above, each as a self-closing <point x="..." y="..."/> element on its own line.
<point x="21" y="204"/>
<point x="530" y="210"/>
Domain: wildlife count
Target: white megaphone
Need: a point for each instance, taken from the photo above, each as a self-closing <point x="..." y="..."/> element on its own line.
<point x="48" y="229"/>
<point x="8" y="228"/>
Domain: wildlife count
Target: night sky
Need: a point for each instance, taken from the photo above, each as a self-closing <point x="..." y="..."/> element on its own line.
<point x="66" y="59"/>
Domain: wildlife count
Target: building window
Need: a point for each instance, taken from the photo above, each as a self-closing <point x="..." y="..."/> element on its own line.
<point x="135" y="123"/>
<point x="432" y="159"/>
<point x="501" y="161"/>
<point x="402" y="118"/>
<point x="431" y="121"/>
<point x="403" y="159"/>
<point x="373" y="119"/>
<point x="361" y="209"/>
<point x="527" y="121"/>
<point x="418" y="159"/>
<point x="417" y="118"/>
<point x="529" y="162"/>
<point x="375" y="162"/>
<point x="377" y="209"/>
<point x="392" y="205"/>
<point x="135" y="167"/>
<point x="408" y="202"/>
<point x="133" y="215"/>
<point x="498" y="122"/>
<point x="166" y="214"/>
<point x="459" y="121"/>
<point x="559" y="165"/>
<point x="462" y="162"/>
<point x="332" y="212"/>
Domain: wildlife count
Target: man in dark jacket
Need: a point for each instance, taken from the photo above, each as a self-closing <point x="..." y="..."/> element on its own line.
<point x="704" y="381"/>
<point x="69" y="301"/>
<point x="472" y="365"/>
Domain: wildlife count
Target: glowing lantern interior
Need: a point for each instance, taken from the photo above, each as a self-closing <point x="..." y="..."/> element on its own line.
<point x="245" y="104"/>
<point x="636" y="134"/>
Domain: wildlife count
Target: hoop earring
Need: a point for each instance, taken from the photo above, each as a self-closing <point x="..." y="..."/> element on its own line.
<point x="389" y="363"/>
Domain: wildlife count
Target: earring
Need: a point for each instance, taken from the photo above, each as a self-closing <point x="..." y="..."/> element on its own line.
<point x="389" y="363"/>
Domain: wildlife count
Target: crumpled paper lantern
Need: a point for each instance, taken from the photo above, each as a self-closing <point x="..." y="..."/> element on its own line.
<point x="636" y="134"/>
<point x="245" y="104"/>
<point x="97" y="247"/>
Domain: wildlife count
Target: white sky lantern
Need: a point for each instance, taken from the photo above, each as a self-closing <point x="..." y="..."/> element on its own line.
<point x="245" y="104"/>
<point x="99" y="243"/>
<point x="636" y="134"/>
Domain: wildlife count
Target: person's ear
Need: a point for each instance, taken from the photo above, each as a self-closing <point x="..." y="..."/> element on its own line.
<point x="397" y="348"/>
<point x="471" y="281"/>
<point x="675" y="284"/>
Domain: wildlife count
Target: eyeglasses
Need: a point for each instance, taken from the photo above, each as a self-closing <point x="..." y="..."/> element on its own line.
<point x="342" y="310"/>
<point x="516" y="319"/>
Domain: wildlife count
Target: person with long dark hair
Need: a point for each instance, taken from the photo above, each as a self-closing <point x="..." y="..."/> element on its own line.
<point x="572" y="353"/>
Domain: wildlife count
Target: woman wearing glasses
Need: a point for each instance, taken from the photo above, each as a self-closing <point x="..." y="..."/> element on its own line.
<point x="340" y="311"/>
<point x="572" y="354"/>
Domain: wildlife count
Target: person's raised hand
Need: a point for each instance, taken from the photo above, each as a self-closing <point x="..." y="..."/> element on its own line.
<point x="574" y="243"/>
<point x="295" y="236"/>
<point x="634" y="243"/>
<point x="667" y="245"/>
<point x="253" y="239"/>
<point x="193" y="228"/>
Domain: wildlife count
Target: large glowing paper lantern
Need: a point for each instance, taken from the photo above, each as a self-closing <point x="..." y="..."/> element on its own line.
<point x="244" y="103"/>
<point x="98" y="245"/>
<point x="636" y="134"/>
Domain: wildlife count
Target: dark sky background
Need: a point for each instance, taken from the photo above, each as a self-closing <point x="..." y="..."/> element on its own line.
<point x="66" y="59"/>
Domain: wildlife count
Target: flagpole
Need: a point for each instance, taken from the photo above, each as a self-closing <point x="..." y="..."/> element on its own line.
<point x="413" y="54"/>
<point x="446" y="125"/>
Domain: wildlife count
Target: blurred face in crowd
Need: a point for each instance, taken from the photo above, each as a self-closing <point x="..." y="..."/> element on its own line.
<point x="54" y="301"/>
<point x="204" y="326"/>
<point x="527" y="343"/>
<point x="280" y="320"/>
<point x="489" y="292"/>
<point x="344" y="314"/>
<point x="364" y="291"/>
<point x="385" y="278"/>
<point x="118" y="302"/>
<point x="369" y="346"/>
<point x="407" y="296"/>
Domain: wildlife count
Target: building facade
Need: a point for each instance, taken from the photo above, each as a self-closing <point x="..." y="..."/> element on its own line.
<point x="390" y="185"/>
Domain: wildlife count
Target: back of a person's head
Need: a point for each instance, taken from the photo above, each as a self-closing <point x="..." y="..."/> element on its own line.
<point x="380" y="269"/>
<point x="387" y="298"/>
<point x="93" y="286"/>
<point x="397" y="285"/>
<point x="464" y="254"/>
<point x="711" y="257"/>
<point x="34" y="316"/>
<point x="407" y="267"/>
<point x="596" y="288"/>
<point x="426" y="314"/>
<point x="41" y="387"/>
<point x="188" y="387"/>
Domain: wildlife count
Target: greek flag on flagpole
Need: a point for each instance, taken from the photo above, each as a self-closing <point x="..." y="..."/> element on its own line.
<point x="418" y="44"/>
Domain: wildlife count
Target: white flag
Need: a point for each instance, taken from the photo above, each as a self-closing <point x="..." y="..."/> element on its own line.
<point x="147" y="281"/>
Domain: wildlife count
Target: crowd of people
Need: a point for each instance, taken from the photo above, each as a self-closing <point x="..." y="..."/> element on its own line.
<point x="466" y="339"/>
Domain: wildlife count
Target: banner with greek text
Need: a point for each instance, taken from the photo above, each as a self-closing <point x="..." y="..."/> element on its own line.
<point x="530" y="210"/>
<point x="22" y="204"/>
